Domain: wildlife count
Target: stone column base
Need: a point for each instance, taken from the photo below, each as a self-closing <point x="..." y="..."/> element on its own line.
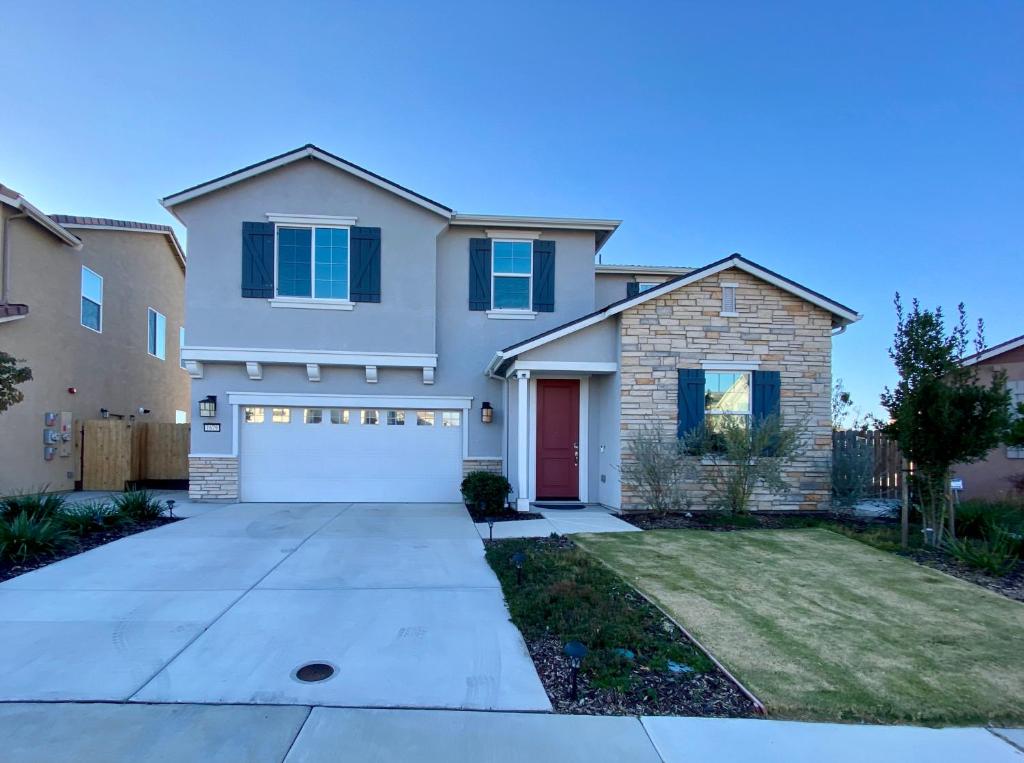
<point x="213" y="478"/>
<point x="494" y="466"/>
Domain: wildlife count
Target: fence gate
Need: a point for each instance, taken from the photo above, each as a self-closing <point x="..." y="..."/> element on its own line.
<point x="116" y="452"/>
<point x="886" y="476"/>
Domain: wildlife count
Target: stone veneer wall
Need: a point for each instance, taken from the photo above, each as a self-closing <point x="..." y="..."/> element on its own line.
<point x="781" y="331"/>
<point x="494" y="466"/>
<point x="213" y="478"/>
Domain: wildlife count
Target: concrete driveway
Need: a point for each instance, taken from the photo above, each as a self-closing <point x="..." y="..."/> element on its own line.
<point x="225" y="606"/>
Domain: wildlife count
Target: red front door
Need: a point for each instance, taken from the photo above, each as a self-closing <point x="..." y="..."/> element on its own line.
<point x="558" y="439"/>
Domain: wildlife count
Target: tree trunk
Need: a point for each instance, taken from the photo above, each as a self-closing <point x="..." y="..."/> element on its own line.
<point x="905" y="504"/>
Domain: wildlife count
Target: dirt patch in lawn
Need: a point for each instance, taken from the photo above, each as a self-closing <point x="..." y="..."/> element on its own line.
<point x="821" y="627"/>
<point x="10" y="570"/>
<point x="639" y="662"/>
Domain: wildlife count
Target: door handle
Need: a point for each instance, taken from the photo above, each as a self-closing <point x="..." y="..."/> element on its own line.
<point x="576" y="453"/>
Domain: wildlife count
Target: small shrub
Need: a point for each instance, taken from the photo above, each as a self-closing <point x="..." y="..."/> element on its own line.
<point x="995" y="555"/>
<point x="86" y="518"/>
<point x="28" y="536"/>
<point x="978" y="518"/>
<point x="492" y="489"/>
<point x="37" y="504"/>
<point x="138" y="506"/>
<point x="657" y="465"/>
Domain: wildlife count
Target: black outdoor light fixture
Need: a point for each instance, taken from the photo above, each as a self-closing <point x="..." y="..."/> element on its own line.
<point x="208" y="406"/>
<point x="519" y="559"/>
<point x="575" y="651"/>
<point x="490" y="528"/>
<point x="486" y="413"/>
<point x="170" y="508"/>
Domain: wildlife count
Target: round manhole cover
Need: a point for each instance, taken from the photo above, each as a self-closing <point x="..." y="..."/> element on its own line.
<point x="313" y="672"/>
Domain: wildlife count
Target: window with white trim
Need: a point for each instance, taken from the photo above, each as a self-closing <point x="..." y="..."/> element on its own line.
<point x="726" y="394"/>
<point x="252" y="414"/>
<point x="157" y="334"/>
<point x="511" y="274"/>
<point x="643" y="286"/>
<point x="729" y="299"/>
<point x="424" y="418"/>
<point x="396" y="418"/>
<point x="281" y="415"/>
<point x="312" y="262"/>
<point x="181" y="343"/>
<point x="92" y="300"/>
<point x="180" y="417"/>
<point x="369" y="417"/>
<point x="313" y="416"/>
<point x="339" y="415"/>
<point x="451" y="419"/>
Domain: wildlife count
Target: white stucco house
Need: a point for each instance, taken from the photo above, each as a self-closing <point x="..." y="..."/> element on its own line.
<point x="350" y="339"/>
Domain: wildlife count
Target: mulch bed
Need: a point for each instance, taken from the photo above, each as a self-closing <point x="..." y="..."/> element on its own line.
<point x="715" y="522"/>
<point x="502" y="516"/>
<point x="1011" y="586"/>
<point x="709" y="694"/>
<point x="10" y="570"/>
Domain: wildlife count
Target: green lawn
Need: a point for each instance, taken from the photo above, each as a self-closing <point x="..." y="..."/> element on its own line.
<point x="822" y="627"/>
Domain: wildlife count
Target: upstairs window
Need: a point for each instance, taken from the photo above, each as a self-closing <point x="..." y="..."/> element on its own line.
<point x="645" y="286"/>
<point x="512" y="274"/>
<point x="726" y="394"/>
<point x="729" y="299"/>
<point x="92" y="300"/>
<point x="157" y="340"/>
<point x="313" y="262"/>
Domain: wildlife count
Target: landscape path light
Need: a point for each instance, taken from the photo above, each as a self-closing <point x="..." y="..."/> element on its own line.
<point x="575" y="651"/>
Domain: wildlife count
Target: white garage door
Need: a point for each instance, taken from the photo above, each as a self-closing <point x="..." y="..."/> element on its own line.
<point x="350" y="454"/>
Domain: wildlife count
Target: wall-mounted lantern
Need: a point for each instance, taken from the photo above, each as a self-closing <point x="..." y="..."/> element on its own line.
<point x="486" y="413"/>
<point x="208" y="406"/>
<point x="104" y="413"/>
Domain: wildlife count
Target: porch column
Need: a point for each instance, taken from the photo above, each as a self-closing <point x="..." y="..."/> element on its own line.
<point x="523" y="441"/>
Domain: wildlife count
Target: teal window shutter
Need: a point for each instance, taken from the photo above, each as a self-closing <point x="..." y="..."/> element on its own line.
<point x="544" y="276"/>
<point x="258" y="259"/>
<point x="365" y="265"/>
<point x="691" y="400"/>
<point x="632" y="289"/>
<point x="765" y="394"/>
<point x="479" y="274"/>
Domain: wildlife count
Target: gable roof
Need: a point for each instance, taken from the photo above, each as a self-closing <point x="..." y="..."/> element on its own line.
<point x="993" y="352"/>
<point x="643" y="270"/>
<point x="309" y="151"/>
<point x="77" y="221"/>
<point x="842" y="315"/>
<point x="14" y="199"/>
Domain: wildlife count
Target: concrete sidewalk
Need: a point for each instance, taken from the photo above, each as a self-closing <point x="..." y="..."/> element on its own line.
<point x="52" y="733"/>
<point x="592" y="519"/>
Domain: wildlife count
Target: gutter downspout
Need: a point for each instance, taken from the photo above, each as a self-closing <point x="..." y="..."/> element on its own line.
<point x="841" y="330"/>
<point x="5" y="246"/>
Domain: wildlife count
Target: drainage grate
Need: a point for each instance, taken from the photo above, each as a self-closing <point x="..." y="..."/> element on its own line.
<point x="312" y="672"/>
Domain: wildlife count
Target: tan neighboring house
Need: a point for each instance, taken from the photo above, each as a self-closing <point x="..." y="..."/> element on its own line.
<point x="95" y="308"/>
<point x="991" y="478"/>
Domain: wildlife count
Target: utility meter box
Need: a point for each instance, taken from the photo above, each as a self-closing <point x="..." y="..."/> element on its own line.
<point x="50" y="419"/>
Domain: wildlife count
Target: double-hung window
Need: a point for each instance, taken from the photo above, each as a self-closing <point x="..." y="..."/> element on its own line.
<point x="157" y="340"/>
<point x="313" y="262"/>
<point x="92" y="300"/>
<point x="512" y="274"/>
<point x="726" y="395"/>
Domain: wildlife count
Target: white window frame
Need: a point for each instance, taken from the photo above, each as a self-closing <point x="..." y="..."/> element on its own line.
<point x="750" y="392"/>
<point x="734" y="289"/>
<point x="149" y="311"/>
<point x="643" y="286"/>
<point x="528" y="310"/>
<point x="181" y="344"/>
<point x="312" y="301"/>
<point x="183" y="417"/>
<point x="82" y="296"/>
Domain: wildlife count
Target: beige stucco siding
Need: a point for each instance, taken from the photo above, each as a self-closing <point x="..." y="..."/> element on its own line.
<point x="109" y="370"/>
<point x="774" y="328"/>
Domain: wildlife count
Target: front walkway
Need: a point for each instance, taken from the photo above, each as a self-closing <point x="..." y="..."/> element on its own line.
<point x="591" y="519"/>
<point x="230" y="733"/>
<point x="225" y="606"/>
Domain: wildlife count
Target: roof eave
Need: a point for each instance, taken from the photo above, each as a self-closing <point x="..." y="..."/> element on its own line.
<point x="29" y="210"/>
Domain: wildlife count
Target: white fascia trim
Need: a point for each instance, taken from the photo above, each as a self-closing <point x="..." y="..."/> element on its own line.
<point x="325" y="220"/>
<point x="667" y="288"/>
<point x="58" y="230"/>
<point x="584" y="367"/>
<point x="511" y="315"/>
<point x="996" y="351"/>
<point x="301" y="153"/>
<point x="304" y="357"/>
<point x="213" y="455"/>
<point x="642" y="270"/>
<point x="300" y="303"/>
<point x="730" y="365"/>
<point x="412" y="402"/>
<point x="512" y="233"/>
<point x="171" y="238"/>
<point x="557" y="223"/>
<point x="10" y="318"/>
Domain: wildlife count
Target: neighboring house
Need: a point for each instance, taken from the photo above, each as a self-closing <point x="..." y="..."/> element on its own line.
<point x="991" y="478"/>
<point x="353" y="340"/>
<point x="94" y="307"/>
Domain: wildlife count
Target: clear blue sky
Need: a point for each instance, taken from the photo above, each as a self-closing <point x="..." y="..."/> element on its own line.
<point x="858" y="148"/>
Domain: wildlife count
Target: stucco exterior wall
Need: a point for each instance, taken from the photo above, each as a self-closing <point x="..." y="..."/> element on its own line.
<point x="112" y="369"/>
<point x="991" y="478"/>
<point x="774" y="328"/>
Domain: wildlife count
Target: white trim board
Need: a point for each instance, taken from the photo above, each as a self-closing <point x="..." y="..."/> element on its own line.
<point x="844" y="314"/>
<point x="321" y="400"/>
<point x="324" y="221"/>
<point x="994" y="352"/>
<point x="304" y="357"/>
<point x="42" y="219"/>
<point x="578" y="366"/>
<point x="171" y="238"/>
<point x="730" y="365"/>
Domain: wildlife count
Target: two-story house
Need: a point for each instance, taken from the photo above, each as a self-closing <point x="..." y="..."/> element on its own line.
<point x="353" y="340"/>
<point x="94" y="307"/>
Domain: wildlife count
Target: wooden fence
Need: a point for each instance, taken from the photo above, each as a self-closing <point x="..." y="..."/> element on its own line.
<point x="117" y="452"/>
<point x="886" y="477"/>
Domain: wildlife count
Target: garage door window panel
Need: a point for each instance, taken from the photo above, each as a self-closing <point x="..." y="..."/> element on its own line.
<point x="281" y="416"/>
<point x="451" y="419"/>
<point x="253" y="415"/>
<point x="424" y="418"/>
<point x="369" y="417"/>
<point x="313" y="416"/>
<point x="339" y="415"/>
<point x="396" y="418"/>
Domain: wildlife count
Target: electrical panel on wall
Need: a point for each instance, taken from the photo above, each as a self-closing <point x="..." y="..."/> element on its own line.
<point x="49" y="453"/>
<point x="50" y="419"/>
<point x="66" y="435"/>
